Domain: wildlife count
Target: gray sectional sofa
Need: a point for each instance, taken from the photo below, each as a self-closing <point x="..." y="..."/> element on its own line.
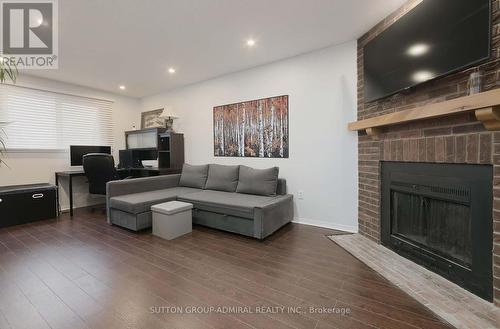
<point x="238" y="199"/>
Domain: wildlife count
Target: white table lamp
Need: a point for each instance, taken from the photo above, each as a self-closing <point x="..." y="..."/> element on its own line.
<point x="169" y="118"/>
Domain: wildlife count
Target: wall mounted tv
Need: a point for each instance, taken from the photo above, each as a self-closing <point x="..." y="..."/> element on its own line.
<point x="436" y="38"/>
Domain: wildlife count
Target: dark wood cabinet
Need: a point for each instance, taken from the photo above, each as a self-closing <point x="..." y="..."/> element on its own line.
<point x="169" y="146"/>
<point x="171" y="150"/>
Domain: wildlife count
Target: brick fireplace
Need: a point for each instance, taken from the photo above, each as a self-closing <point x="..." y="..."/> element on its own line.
<point x="456" y="139"/>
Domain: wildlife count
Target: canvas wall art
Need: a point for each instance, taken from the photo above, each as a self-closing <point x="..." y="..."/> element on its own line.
<point x="152" y="119"/>
<point x="257" y="128"/>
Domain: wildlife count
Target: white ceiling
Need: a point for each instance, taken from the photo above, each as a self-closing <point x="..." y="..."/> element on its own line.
<point x="107" y="43"/>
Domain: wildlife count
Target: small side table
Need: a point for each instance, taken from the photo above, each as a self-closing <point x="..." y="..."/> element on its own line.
<point x="172" y="219"/>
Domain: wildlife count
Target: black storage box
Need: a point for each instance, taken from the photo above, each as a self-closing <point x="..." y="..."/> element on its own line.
<point x="27" y="203"/>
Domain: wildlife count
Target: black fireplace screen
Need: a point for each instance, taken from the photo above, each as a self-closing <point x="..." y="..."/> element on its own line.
<point x="442" y="226"/>
<point x="440" y="216"/>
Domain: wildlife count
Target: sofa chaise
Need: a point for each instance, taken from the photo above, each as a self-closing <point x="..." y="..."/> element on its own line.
<point x="238" y="199"/>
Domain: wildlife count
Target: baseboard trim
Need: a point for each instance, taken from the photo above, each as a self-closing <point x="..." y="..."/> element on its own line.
<point x="65" y="209"/>
<point x="333" y="226"/>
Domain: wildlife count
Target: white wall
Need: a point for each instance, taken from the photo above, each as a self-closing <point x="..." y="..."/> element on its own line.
<point x="27" y="168"/>
<point x="323" y="153"/>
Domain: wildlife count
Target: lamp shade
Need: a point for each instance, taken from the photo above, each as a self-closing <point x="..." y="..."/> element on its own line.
<point x="168" y="114"/>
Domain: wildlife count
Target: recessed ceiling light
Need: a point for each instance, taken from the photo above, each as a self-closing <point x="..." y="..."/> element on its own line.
<point x="171" y="70"/>
<point x="122" y="87"/>
<point x="250" y="42"/>
<point x="418" y="49"/>
<point x="421" y="76"/>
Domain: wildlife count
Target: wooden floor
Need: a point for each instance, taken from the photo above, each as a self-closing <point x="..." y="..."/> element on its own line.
<point x="456" y="305"/>
<point x="83" y="273"/>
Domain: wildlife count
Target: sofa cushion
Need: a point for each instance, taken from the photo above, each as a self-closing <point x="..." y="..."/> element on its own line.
<point x="228" y="203"/>
<point x="137" y="203"/>
<point x="194" y="176"/>
<point x="222" y="178"/>
<point x="258" y="181"/>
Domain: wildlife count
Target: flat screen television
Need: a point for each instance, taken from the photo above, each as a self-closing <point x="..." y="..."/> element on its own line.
<point x="436" y="38"/>
<point x="78" y="151"/>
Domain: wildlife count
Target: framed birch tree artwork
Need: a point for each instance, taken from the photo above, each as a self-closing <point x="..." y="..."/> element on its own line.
<point x="257" y="128"/>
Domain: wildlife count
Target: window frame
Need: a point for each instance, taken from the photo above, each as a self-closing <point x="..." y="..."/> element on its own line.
<point x="64" y="97"/>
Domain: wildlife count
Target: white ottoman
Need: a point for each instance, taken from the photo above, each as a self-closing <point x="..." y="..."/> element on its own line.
<point x="172" y="219"/>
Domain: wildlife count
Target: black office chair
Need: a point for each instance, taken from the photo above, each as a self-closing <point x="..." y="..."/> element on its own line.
<point x="99" y="169"/>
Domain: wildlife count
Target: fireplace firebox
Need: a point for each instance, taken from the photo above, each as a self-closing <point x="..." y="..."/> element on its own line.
<point x="440" y="216"/>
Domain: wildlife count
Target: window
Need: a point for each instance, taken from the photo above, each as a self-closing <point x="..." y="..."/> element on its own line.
<point x="44" y="120"/>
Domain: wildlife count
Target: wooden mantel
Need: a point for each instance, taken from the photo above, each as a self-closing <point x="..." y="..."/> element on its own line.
<point x="486" y="106"/>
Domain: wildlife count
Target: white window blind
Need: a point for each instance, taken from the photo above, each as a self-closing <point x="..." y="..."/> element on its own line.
<point x="44" y="120"/>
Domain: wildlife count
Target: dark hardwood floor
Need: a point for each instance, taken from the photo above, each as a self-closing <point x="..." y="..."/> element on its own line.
<point x="83" y="273"/>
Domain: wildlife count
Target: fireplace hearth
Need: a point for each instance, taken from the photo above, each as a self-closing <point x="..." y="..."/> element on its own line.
<point x="440" y="216"/>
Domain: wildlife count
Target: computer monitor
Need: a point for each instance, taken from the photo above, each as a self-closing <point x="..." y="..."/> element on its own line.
<point x="132" y="158"/>
<point x="78" y="151"/>
<point x="126" y="159"/>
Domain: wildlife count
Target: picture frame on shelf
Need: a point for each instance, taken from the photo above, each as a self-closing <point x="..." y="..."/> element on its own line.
<point x="152" y="119"/>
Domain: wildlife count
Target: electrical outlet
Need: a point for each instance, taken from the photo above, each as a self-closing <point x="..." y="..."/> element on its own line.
<point x="300" y="195"/>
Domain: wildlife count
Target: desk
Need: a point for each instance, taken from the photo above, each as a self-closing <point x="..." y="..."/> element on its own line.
<point x="123" y="172"/>
<point x="146" y="172"/>
<point x="70" y="174"/>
